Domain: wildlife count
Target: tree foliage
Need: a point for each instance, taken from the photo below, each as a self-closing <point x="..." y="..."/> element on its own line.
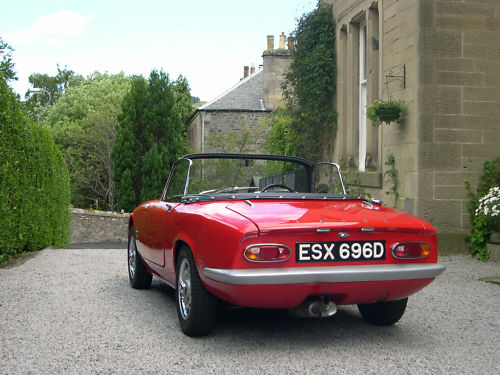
<point x="279" y="138"/>
<point x="83" y="123"/>
<point x="55" y="85"/>
<point x="34" y="183"/>
<point x="309" y="85"/>
<point x="150" y="136"/>
<point x="6" y="63"/>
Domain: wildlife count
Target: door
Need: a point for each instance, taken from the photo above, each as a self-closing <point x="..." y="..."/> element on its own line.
<point x="153" y="221"/>
<point x="152" y="231"/>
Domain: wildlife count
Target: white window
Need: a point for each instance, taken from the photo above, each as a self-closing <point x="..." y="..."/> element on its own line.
<point x="362" y="97"/>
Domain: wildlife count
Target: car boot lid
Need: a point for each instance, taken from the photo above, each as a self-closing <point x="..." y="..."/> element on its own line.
<point x="326" y="215"/>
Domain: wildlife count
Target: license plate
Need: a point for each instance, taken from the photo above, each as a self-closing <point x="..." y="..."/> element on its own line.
<point x="339" y="251"/>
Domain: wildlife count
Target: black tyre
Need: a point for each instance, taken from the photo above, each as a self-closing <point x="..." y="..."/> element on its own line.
<point x="383" y="313"/>
<point x="196" y="307"/>
<point x="138" y="275"/>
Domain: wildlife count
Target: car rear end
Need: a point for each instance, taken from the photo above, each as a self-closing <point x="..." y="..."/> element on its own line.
<point x="342" y="251"/>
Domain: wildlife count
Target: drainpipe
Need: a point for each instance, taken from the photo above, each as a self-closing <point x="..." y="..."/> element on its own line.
<point x="202" y="132"/>
<point x="202" y="144"/>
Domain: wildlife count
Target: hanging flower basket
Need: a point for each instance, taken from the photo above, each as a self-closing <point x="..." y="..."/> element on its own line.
<point x="384" y="111"/>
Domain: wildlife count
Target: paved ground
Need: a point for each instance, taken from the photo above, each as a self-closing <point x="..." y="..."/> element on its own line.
<point x="71" y="311"/>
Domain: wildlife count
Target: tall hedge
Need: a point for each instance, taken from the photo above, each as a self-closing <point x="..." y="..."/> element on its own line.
<point x="34" y="183"/>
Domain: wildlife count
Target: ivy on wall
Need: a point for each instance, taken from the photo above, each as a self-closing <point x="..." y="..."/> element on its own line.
<point x="308" y="121"/>
<point x="392" y="175"/>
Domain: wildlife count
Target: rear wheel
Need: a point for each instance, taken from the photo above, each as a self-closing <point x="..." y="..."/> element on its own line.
<point x="196" y="307"/>
<point x="138" y="275"/>
<point x="383" y="313"/>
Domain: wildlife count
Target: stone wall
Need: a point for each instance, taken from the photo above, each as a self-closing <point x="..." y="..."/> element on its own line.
<point x="391" y="72"/>
<point x="223" y="126"/>
<point x="442" y="58"/>
<point x="98" y="226"/>
<point x="460" y="102"/>
<point x="194" y="133"/>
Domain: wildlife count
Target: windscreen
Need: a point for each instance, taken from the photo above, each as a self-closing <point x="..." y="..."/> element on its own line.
<point x="326" y="179"/>
<point x="212" y="176"/>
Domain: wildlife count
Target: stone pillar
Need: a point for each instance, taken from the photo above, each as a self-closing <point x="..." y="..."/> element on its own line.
<point x="372" y="75"/>
<point x="352" y="90"/>
<point x="340" y="151"/>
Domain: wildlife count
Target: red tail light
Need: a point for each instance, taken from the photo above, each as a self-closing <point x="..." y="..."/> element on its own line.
<point x="267" y="253"/>
<point x="411" y="250"/>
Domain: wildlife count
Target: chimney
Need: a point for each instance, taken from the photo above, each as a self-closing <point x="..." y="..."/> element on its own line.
<point x="252" y="69"/>
<point x="282" y="41"/>
<point x="270" y="42"/>
<point x="291" y="41"/>
<point x="245" y="71"/>
<point x="276" y="63"/>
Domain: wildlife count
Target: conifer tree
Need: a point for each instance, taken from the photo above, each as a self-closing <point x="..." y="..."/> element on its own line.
<point x="129" y="144"/>
<point x="150" y="137"/>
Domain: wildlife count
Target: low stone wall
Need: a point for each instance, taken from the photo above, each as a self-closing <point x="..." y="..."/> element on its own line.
<point x="98" y="226"/>
<point x="494" y="247"/>
<point x="452" y="241"/>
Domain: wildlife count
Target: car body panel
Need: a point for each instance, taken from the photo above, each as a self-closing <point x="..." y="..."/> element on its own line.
<point x="304" y="215"/>
<point x="150" y="225"/>
<point x="284" y="296"/>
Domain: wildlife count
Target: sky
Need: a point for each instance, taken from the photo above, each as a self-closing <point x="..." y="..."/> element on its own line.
<point x="208" y="42"/>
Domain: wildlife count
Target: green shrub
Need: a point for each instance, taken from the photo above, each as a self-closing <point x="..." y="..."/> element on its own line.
<point x="34" y="184"/>
<point x="482" y="228"/>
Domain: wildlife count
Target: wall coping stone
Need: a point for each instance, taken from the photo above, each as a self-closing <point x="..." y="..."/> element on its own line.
<point x="99" y="213"/>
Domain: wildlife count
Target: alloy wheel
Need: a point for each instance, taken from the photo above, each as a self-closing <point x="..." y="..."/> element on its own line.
<point x="131" y="258"/>
<point x="184" y="292"/>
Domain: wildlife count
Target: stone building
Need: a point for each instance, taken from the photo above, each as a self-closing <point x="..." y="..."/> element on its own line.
<point x="442" y="58"/>
<point x="243" y="106"/>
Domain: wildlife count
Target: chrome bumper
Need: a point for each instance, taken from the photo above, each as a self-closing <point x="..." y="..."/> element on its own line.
<point x="336" y="274"/>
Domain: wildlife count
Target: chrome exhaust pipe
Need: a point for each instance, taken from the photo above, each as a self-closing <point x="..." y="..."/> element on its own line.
<point x="314" y="309"/>
<point x="318" y="308"/>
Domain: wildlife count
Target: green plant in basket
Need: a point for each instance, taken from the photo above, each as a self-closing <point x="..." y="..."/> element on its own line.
<point x="385" y="111"/>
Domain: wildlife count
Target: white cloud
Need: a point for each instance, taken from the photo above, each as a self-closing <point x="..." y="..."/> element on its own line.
<point x="54" y="27"/>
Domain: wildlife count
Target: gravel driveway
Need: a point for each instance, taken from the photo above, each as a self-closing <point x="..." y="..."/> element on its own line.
<point x="71" y="311"/>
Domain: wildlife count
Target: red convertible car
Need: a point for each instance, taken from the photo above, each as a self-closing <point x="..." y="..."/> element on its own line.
<point x="276" y="232"/>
